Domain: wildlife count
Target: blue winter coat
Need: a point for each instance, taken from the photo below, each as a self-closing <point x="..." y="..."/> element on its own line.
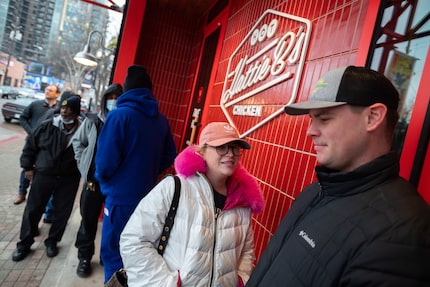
<point x="134" y="147"/>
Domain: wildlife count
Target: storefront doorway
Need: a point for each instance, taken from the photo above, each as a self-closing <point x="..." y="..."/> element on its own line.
<point x="211" y="47"/>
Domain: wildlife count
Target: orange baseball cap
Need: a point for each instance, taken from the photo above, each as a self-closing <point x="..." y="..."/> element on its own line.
<point x="219" y="133"/>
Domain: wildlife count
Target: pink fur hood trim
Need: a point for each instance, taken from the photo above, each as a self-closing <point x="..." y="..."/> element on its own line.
<point x="242" y="189"/>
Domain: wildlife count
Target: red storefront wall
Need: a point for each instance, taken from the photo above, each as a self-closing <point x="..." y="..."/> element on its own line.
<point x="282" y="156"/>
<point x="169" y="44"/>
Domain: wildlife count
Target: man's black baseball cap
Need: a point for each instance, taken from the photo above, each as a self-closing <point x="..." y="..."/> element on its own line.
<point x="357" y="86"/>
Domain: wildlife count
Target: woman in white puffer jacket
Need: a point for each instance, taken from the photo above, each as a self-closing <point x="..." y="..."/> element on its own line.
<point x="211" y="242"/>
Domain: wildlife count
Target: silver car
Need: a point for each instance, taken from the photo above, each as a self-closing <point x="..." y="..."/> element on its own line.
<point x="13" y="109"/>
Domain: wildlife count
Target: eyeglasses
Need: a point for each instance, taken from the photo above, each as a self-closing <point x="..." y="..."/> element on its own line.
<point x="224" y="149"/>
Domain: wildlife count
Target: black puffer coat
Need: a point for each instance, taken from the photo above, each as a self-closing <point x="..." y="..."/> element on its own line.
<point x="368" y="227"/>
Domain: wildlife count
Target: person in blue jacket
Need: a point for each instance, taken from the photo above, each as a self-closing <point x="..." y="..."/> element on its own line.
<point x="135" y="146"/>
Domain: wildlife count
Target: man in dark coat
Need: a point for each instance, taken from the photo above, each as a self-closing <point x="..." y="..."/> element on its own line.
<point x="49" y="163"/>
<point x="360" y="224"/>
<point x="29" y="119"/>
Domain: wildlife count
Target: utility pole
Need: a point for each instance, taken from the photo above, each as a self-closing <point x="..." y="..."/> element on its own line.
<point x="15" y="35"/>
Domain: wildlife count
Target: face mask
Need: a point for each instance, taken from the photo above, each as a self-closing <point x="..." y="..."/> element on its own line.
<point x="110" y="105"/>
<point x="67" y="122"/>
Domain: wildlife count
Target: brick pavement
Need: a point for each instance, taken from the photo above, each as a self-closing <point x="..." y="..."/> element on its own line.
<point x="37" y="269"/>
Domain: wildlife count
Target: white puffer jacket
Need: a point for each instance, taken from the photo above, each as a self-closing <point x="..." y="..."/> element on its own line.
<point x="202" y="250"/>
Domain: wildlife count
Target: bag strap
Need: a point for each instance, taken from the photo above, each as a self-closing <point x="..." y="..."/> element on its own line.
<point x="170" y="217"/>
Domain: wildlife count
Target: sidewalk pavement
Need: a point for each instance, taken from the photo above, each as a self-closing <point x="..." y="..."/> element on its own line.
<point x="37" y="270"/>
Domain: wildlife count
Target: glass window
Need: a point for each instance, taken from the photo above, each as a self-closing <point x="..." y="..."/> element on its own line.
<point x="399" y="52"/>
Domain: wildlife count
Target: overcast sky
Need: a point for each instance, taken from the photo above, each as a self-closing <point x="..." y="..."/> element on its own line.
<point x="116" y="19"/>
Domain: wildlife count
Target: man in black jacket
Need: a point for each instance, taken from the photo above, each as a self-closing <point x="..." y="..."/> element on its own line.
<point x="29" y="119"/>
<point x="48" y="161"/>
<point x="361" y="224"/>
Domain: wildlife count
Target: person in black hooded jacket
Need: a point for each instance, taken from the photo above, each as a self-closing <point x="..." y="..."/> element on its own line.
<point x="361" y="224"/>
<point x="91" y="202"/>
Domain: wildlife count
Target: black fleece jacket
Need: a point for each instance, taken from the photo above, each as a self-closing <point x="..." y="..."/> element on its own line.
<point x="33" y="114"/>
<point x="48" y="150"/>
<point x="368" y="227"/>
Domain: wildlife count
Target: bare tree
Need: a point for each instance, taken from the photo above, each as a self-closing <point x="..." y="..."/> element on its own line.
<point x="75" y="74"/>
<point x="104" y="68"/>
<point x="64" y="67"/>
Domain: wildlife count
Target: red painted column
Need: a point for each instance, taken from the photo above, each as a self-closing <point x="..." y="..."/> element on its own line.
<point x="129" y="39"/>
<point x="368" y="28"/>
<point x="415" y="128"/>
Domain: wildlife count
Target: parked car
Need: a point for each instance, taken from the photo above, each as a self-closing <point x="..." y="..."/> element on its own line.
<point x="26" y="93"/>
<point x="13" y="109"/>
<point x="9" y="92"/>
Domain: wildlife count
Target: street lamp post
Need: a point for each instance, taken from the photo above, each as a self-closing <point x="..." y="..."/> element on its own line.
<point x="85" y="57"/>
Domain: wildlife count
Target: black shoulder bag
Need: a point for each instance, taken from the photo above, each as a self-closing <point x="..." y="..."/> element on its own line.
<point x="119" y="278"/>
<point x="170" y="219"/>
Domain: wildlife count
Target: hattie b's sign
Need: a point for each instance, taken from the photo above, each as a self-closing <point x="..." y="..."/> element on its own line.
<point x="273" y="52"/>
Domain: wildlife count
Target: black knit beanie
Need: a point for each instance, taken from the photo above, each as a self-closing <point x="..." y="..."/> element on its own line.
<point x="137" y="78"/>
<point x="74" y="103"/>
<point x="67" y="94"/>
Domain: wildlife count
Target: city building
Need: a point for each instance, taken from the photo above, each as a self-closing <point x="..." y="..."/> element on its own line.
<point x="11" y="67"/>
<point x="32" y="20"/>
<point x="40" y="33"/>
